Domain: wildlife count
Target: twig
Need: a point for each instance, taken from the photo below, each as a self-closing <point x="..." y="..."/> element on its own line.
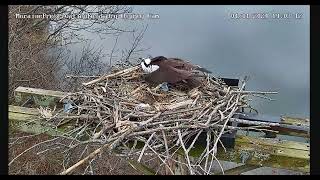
<point x="112" y="75"/>
<point x="185" y="151"/>
<point x="81" y="76"/>
<point x="151" y="119"/>
<point x="254" y="92"/>
<point x="145" y="146"/>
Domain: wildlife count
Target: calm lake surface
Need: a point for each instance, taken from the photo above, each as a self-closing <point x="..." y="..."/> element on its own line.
<point x="274" y="52"/>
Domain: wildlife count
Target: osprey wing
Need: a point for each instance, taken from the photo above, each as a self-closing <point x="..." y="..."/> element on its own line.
<point x="181" y="64"/>
<point x="178" y="74"/>
<point x="174" y="62"/>
<point x="168" y="74"/>
<point x="186" y="65"/>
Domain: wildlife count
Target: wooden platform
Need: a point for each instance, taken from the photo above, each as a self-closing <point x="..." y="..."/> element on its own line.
<point x="255" y="152"/>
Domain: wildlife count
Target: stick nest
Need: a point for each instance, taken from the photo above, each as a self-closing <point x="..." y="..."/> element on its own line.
<point x="128" y="116"/>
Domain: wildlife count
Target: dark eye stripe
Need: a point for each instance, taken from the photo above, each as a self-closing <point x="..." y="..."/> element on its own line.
<point x="147" y="65"/>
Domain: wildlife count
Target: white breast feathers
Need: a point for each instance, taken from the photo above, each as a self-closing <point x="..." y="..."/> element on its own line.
<point x="150" y="68"/>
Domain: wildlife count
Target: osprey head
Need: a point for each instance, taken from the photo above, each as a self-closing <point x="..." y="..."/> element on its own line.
<point x="147" y="67"/>
<point x="146" y="61"/>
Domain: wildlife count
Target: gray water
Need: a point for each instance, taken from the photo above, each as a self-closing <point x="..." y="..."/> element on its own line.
<point x="273" y="52"/>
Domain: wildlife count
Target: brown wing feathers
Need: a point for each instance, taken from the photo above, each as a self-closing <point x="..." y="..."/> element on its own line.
<point x="172" y="70"/>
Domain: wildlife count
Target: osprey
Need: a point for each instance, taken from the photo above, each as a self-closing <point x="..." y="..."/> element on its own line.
<point x="171" y="70"/>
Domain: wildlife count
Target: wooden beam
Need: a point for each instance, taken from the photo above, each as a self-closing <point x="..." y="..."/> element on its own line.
<point x="294" y="127"/>
<point x="265" y="152"/>
<point x="23" y="110"/>
<point x="26" y="120"/>
<point x="265" y="143"/>
<point x="42" y="92"/>
<point x="269" y="152"/>
<point x="295" y="121"/>
<point x="40" y="97"/>
<point x="35" y="128"/>
<point x="240" y="169"/>
<point x="291" y="132"/>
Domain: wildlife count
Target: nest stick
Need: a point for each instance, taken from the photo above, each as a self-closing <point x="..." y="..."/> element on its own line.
<point x="125" y="71"/>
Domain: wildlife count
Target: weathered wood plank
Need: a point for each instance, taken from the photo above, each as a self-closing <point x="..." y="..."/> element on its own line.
<point x="42" y="92"/>
<point x="265" y="152"/>
<point x="295" y="121"/>
<point x="270" y="153"/>
<point x="21" y="117"/>
<point x="23" y="110"/>
<point x="26" y="120"/>
<point x="40" y="97"/>
<point x="273" y="142"/>
<point x="35" y="128"/>
<point x="240" y="169"/>
<point x="294" y="127"/>
<point x="266" y="160"/>
<point x="290" y="132"/>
